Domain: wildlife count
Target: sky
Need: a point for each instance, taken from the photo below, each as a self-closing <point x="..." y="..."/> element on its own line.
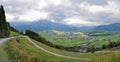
<point x="71" y="12"/>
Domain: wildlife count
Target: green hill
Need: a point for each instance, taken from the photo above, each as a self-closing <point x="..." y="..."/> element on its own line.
<point x="21" y="50"/>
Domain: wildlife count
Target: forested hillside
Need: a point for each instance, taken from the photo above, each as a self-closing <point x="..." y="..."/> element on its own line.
<point x="4" y="26"/>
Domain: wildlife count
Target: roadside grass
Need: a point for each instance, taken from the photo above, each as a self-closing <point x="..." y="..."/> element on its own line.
<point x="96" y="57"/>
<point x="13" y="33"/>
<point x="21" y="50"/>
<point x="3" y="54"/>
<point x="104" y="56"/>
<point x="67" y="53"/>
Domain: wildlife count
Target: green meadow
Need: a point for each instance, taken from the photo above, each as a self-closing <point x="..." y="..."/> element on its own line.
<point x="21" y="50"/>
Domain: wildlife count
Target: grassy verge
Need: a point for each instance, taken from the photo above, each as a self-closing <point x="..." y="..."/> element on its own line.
<point x="21" y="50"/>
<point x="97" y="57"/>
<point x="3" y="54"/>
<point x="74" y="54"/>
<point x="13" y="33"/>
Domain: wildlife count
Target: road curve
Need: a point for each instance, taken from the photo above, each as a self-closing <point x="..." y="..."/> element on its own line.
<point x="55" y="54"/>
<point x="2" y="40"/>
<point x="3" y="57"/>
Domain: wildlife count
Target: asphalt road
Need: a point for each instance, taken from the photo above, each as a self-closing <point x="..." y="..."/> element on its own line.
<point x="55" y="54"/>
<point x="2" y="40"/>
<point x="3" y="58"/>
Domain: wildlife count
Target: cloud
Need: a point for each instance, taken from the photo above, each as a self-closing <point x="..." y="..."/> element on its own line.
<point x="91" y="2"/>
<point x="78" y="21"/>
<point x="9" y="17"/>
<point x="72" y="12"/>
<point x="33" y="15"/>
<point x="112" y="7"/>
<point x="92" y="8"/>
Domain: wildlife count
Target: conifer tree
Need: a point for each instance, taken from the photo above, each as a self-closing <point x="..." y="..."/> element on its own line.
<point x="4" y="26"/>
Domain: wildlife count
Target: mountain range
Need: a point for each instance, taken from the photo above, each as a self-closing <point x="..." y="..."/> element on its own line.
<point x="41" y="26"/>
<point x="47" y="25"/>
<point x="110" y="27"/>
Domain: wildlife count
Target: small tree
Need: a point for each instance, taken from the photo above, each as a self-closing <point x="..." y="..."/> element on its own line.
<point x="103" y="46"/>
<point x="93" y="49"/>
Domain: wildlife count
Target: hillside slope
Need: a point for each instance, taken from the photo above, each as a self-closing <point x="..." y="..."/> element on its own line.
<point x="20" y="49"/>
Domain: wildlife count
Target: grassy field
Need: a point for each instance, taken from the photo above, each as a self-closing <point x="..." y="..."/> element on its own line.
<point x="13" y="33"/>
<point x="96" y="57"/>
<point x="111" y="56"/>
<point x="104" y="40"/>
<point x="64" y="38"/>
<point x="20" y="50"/>
<point x="108" y="57"/>
<point x="69" y="42"/>
<point x="67" y="53"/>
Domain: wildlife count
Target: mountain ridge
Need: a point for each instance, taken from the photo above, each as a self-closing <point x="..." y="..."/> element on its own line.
<point x="47" y="25"/>
<point x="110" y="27"/>
<point x="41" y="25"/>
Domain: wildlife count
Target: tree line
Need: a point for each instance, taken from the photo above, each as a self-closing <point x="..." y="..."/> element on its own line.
<point x="112" y="44"/>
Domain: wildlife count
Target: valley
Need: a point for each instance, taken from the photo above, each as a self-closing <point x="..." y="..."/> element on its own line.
<point x="22" y="50"/>
<point x="82" y="41"/>
<point x="65" y="38"/>
<point x="84" y="32"/>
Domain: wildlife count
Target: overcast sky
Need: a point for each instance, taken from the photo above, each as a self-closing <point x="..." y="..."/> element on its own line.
<point x="72" y="12"/>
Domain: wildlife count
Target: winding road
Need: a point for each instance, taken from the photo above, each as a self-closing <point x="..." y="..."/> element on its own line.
<point x="2" y="40"/>
<point x="3" y="57"/>
<point x="55" y="54"/>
